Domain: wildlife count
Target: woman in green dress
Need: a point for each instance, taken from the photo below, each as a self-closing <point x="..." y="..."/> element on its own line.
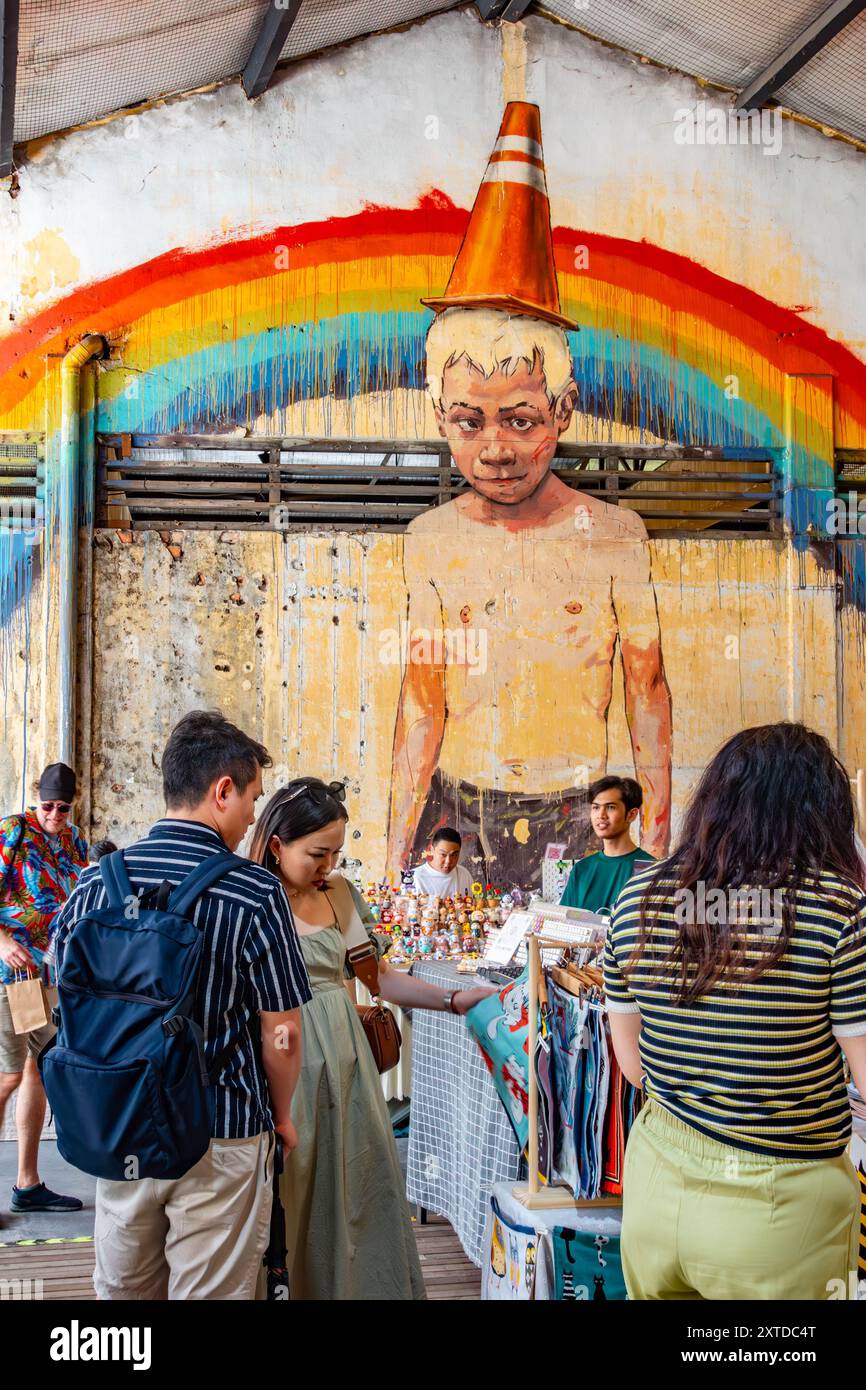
<point x="348" y="1231"/>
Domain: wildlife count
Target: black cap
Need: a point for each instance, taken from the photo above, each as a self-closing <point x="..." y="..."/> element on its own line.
<point x="57" y="783"/>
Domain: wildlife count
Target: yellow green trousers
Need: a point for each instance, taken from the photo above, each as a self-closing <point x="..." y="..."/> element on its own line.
<point x="705" y="1221"/>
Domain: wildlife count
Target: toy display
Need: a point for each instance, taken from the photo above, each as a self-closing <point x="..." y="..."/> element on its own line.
<point x="426" y="927"/>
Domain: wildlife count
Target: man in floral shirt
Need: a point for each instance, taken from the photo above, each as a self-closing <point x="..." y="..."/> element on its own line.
<point x="41" y="856"/>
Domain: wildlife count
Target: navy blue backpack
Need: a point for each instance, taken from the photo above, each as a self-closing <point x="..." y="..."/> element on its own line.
<point x="125" y="1074"/>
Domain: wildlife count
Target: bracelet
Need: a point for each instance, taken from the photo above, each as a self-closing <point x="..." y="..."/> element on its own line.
<point x="448" y="1001"/>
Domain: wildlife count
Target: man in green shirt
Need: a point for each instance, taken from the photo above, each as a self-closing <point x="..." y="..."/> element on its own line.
<point x="595" y="881"/>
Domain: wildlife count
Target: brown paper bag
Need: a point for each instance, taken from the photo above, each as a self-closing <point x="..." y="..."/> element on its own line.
<point x="28" y="1004"/>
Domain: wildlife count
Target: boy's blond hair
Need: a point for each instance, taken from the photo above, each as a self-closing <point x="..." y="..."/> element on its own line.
<point x="493" y="338"/>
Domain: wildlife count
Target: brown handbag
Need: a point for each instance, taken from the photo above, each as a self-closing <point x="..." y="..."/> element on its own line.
<point x="379" y="1024"/>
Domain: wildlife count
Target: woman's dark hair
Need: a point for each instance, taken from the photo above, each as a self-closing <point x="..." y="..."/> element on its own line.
<point x="302" y="807"/>
<point x="772" y="810"/>
<point x="629" y="789"/>
<point x="203" y="747"/>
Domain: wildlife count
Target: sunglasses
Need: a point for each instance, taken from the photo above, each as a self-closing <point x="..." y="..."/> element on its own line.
<point x="335" y="789"/>
<point x="63" y="806"/>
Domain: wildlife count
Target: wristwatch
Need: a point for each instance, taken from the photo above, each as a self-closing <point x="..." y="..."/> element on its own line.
<point x="448" y="1001"/>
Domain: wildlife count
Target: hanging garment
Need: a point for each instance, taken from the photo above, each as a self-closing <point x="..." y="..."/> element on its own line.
<point x="596" y="1084"/>
<point x="567" y="1036"/>
<point x="500" y="1026"/>
<point x="546" y="1109"/>
<point x="615" y="1126"/>
<point x="509" y="1270"/>
<point x="586" y="1266"/>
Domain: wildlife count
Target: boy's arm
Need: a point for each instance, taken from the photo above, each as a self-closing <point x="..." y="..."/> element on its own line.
<point x="420" y="724"/>
<point x="647" y="696"/>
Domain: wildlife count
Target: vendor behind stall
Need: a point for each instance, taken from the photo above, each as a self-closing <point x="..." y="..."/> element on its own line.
<point x="443" y="875"/>
<point x="596" y="880"/>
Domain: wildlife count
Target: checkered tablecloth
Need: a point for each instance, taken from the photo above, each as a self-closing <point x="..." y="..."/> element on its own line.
<point x="460" y="1140"/>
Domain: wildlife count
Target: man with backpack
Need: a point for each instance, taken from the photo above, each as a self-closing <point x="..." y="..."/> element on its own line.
<point x="41" y="856"/>
<point x="178" y="1051"/>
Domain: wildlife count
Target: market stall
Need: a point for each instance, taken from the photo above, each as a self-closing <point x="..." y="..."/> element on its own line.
<point x="461" y="1143"/>
<point x="477" y="1105"/>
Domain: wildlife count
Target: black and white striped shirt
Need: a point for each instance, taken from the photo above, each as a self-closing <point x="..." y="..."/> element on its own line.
<point x="251" y="963"/>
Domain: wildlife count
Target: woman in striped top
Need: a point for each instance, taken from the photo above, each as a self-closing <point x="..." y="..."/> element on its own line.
<point x="735" y="974"/>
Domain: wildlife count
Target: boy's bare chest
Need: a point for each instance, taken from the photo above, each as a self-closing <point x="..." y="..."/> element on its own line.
<point x="545" y="583"/>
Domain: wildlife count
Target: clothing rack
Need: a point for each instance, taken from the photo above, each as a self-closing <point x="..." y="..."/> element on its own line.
<point x="531" y="1194"/>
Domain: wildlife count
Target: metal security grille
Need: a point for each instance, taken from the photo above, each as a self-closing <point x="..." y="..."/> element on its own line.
<point x="22" y="482"/>
<point x="160" y="482"/>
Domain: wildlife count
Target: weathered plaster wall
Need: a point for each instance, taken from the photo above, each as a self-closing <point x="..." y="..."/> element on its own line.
<point x="288" y="639"/>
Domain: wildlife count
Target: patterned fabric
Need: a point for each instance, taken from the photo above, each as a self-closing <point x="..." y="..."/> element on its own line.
<point x="43" y="872"/>
<point x="586" y="1266"/>
<point x="251" y="963"/>
<point x="581" y="1074"/>
<point x="460" y="1140"/>
<point x="568" y="1019"/>
<point x="754" y="1065"/>
<point x="510" y="1267"/>
<point x="500" y="1026"/>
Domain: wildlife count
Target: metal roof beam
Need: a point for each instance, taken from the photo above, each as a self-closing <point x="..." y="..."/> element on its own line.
<point x="510" y="10"/>
<point x="269" y="45"/>
<point x="8" y="72"/>
<point x="812" y="39"/>
<point x="515" y="9"/>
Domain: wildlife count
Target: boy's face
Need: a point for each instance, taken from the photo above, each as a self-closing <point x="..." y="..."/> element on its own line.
<point x="502" y="430"/>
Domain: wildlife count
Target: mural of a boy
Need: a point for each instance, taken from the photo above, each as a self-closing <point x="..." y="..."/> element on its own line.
<point x="500" y="733"/>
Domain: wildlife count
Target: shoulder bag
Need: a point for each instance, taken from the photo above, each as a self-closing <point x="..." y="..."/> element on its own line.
<point x="379" y="1024"/>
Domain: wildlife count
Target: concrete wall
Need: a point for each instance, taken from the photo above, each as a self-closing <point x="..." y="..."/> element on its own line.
<point x="300" y="661"/>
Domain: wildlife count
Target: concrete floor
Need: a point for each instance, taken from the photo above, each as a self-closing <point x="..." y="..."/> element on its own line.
<point x="56" y="1173"/>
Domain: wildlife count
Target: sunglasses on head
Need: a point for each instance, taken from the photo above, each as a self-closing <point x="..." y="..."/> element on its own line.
<point x="335" y="789"/>
<point x="62" y="806"/>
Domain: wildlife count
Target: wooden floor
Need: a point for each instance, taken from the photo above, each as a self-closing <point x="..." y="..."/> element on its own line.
<point x="448" y="1272"/>
<point x="66" y="1267"/>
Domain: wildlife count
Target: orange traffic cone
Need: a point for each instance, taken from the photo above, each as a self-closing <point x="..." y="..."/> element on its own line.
<point x="505" y="260"/>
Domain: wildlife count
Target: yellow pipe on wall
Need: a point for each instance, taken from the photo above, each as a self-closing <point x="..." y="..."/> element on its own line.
<point x="64" y="515"/>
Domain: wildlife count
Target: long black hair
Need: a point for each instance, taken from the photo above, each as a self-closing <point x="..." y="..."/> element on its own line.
<point x="772" y="810"/>
<point x="302" y="807"/>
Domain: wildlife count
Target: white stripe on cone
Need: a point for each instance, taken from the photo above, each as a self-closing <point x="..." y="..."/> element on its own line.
<point x="512" y="172"/>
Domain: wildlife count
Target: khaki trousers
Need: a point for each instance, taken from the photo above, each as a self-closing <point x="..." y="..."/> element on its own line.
<point x="201" y="1236"/>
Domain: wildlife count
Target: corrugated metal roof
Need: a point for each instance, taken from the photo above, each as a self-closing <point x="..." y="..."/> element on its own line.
<point x="82" y="60"/>
<point x="731" y="41"/>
